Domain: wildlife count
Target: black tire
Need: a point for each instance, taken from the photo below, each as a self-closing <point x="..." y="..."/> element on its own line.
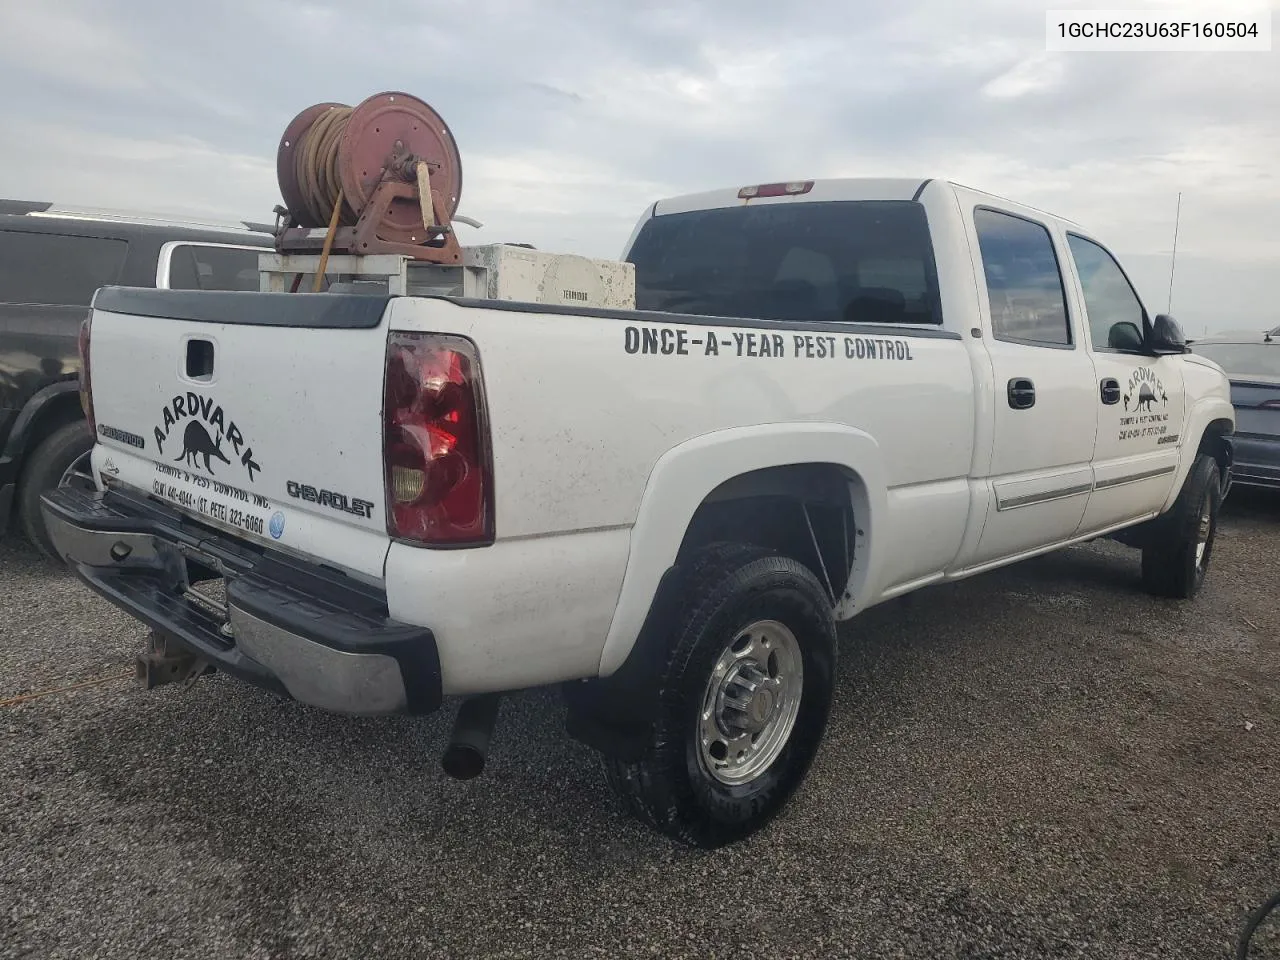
<point x="1172" y="564"/>
<point x="44" y="468"/>
<point x="729" y="587"/>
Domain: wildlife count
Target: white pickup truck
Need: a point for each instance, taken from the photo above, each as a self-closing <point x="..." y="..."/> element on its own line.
<point x="832" y="393"/>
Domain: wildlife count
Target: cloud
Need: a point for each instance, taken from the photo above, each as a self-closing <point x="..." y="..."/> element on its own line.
<point x="1033" y="75"/>
<point x="66" y="45"/>
<point x="176" y="174"/>
<point x="572" y="115"/>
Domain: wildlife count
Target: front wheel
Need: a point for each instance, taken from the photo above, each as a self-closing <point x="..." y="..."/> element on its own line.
<point x="744" y="697"/>
<point x="1175" y="559"/>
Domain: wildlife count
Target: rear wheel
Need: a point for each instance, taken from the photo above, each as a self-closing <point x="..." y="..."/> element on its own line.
<point x="744" y="697"/>
<point x="1175" y="558"/>
<point x="61" y="458"/>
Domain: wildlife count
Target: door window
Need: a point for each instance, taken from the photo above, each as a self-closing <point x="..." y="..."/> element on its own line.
<point x="1113" y="309"/>
<point x="57" y="269"/>
<point x="1024" y="282"/>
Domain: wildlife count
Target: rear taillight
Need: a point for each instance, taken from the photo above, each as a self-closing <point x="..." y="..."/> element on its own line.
<point x="436" y="450"/>
<point x="86" y="386"/>
<point x="794" y="188"/>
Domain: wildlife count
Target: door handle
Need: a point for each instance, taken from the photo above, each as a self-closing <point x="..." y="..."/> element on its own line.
<point x="1110" y="390"/>
<point x="1022" y="393"/>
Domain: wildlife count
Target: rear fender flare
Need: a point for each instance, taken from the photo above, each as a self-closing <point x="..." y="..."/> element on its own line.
<point x="684" y="476"/>
<point x="25" y="427"/>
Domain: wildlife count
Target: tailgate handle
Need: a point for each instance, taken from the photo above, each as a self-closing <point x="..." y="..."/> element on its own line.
<point x="199" y="359"/>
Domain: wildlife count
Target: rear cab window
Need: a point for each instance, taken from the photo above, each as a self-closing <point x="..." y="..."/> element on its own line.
<point x="59" y="269"/>
<point x="854" y="261"/>
<point x="207" y="266"/>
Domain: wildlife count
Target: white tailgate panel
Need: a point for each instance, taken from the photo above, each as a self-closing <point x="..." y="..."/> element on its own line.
<point x="285" y="444"/>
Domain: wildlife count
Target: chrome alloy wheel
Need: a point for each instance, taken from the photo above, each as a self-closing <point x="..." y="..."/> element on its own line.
<point x="1204" y="528"/>
<point x="751" y="701"/>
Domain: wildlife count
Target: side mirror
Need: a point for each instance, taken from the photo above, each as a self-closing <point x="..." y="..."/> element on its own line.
<point x="1125" y="336"/>
<point x="1166" y="337"/>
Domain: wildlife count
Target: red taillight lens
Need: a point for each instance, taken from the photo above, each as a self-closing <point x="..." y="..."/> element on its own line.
<point x="86" y="386"/>
<point x="794" y="188"/>
<point x="436" y="450"/>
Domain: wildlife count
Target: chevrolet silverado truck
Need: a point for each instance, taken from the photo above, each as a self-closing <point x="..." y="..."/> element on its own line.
<point x="831" y="393"/>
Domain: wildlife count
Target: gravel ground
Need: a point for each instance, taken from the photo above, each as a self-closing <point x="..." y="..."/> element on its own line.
<point x="1041" y="762"/>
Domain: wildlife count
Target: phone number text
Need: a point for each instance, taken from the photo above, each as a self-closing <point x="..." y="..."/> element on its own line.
<point x="214" y="509"/>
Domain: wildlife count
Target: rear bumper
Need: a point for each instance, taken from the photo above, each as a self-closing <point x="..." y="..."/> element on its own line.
<point x="1256" y="460"/>
<point x="291" y="627"/>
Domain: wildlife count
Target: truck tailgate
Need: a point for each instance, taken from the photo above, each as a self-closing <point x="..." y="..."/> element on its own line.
<point x="259" y="413"/>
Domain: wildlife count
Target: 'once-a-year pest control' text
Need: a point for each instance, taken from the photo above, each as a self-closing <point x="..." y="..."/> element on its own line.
<point x="682" y="342"/>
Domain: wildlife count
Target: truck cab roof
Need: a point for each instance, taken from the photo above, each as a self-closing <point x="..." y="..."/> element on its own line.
<point x="35" y="211"/>
<point x="828" y="190"/>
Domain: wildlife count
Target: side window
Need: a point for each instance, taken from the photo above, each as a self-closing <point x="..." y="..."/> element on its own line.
<point x="195" y="266"/>
<point x="50" y="268"/>
<point x="182" y="269"/>
<point x="1114" y="311"/>
<point x="1024" y="283"/>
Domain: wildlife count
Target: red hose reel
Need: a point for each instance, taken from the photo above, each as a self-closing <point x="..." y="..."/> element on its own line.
<point x="382" y="177"/>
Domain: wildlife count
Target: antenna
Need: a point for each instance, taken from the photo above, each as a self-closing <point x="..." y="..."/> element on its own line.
<point x="1173" y="261"/>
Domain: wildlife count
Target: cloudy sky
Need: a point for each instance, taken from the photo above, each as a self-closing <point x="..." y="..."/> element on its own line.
<point x="572" y="115"/>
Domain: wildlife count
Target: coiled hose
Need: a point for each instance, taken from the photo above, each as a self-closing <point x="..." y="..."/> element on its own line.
<point x="316" y="169"/>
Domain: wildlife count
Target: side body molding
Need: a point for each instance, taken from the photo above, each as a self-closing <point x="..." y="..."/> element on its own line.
<point x="683" y="477"/>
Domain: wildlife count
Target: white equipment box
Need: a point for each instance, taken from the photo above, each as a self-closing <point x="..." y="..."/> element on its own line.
<point x="496" y="271"/>
<point x="531" y="276"/>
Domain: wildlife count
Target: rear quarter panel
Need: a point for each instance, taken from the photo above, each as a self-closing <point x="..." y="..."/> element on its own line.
<point x="37" y="348"/>
<point x="581" y="409"/>
<point x="599" y="420"/>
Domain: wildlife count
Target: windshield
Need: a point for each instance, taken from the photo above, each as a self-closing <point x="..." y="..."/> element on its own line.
<point x="848" y="261"/>
<point x="1243" y="360"/>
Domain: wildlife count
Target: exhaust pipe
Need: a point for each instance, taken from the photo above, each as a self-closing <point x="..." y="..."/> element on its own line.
<point x="469" y="745"/>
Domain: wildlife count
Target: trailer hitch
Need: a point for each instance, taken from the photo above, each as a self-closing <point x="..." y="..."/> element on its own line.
<point x="161" y="663"/>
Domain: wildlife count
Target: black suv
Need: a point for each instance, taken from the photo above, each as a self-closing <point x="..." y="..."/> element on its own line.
<point x="51" y="262"/>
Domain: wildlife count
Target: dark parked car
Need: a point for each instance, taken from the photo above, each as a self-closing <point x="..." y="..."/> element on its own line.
<point x="51" y="261"/>
<point x="1253" y="366"/>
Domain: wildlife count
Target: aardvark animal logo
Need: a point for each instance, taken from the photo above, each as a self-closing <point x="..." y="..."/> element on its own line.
<point x="202" y="419"/>
<point x="1143" y="391"/>
<point x="196" y="442"/>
